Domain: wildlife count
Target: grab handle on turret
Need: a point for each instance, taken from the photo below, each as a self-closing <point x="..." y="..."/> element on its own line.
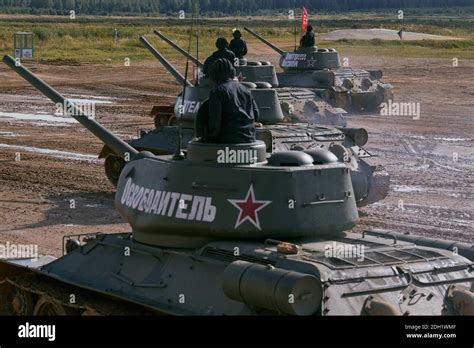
<point x="177" y="75"/>
<point x="119" y="146"/>
<point x="179" y="49"/>
<point x="265" y="41"/>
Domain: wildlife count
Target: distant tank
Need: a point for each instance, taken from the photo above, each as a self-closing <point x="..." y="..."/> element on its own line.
<point x="320" y="69"/>
<point x="371" y="181"/>
<point x="211" y="237"/>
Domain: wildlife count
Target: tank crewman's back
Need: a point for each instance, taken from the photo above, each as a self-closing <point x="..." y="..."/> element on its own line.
<point x="222" y="52"/>
<point x="232" y="109"/>
<point x="238" y="45"/>
<point x="308" y="39"/>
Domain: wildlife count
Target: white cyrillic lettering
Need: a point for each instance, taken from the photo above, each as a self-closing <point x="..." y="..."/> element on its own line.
<point x="174" y="198"/>
<point x="209" y="211"/>
<point x="125" y="191"/>
<point x="197" y="208"/>
<point x="182" y="206"/>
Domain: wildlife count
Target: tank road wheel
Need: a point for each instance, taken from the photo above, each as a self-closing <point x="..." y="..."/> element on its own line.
<point x="172" y="121"/>
<point x="164" y="119"/>
<point x="16" y="301"/>
<point x="159" y="121"/>
<point x="46" y="306"/>
<point x="113" y="167"/>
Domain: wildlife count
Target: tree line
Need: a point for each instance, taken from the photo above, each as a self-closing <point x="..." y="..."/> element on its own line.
<point x="211" y="7"/>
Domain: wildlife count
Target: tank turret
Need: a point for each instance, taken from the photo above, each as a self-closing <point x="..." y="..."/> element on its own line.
<point x="320" y="69"/>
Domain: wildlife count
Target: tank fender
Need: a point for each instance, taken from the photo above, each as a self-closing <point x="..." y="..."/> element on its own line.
<point x="106" y="151"/>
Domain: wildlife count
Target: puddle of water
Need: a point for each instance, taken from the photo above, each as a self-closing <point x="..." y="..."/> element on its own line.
<point x="45" y="124"/>
<point x="8" y="134"/>
<point x="452" y="139"/>
<point x="53" y="153"/>
<point x="406" y="188"/>
<point x="90" y="101"/>
<point x="85" y="96"/>
<point x="37" y="117"/>
<point x="74" y="97"/>
<point x="417" y="137"/>
<point x="422" y="137"/>
<point x="44" y="116"/>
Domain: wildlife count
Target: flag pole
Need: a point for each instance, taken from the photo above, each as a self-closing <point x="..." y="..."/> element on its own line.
<point x="294" y="20"/>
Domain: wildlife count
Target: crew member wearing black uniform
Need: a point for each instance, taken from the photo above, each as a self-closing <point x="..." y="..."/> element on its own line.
<point x="238" y="45"/>
<point x="222" y="52"/>
<point x="232" y="109"/>
<point x="308" y="39"/>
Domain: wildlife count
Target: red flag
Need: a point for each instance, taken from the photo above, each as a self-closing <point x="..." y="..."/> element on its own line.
<point x="304" y="19"/>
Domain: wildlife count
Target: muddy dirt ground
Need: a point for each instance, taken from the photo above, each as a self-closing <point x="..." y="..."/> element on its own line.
<point x="45" y="195"/>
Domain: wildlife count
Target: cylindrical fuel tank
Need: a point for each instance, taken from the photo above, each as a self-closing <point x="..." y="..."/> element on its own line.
<point x="276" y="289"/>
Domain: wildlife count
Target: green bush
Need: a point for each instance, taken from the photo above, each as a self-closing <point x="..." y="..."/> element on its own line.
<point x="42" y="34"/>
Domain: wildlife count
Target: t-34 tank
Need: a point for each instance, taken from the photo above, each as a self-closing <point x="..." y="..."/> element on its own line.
<point x="320" y="69"/>
<point x="370" y="180"/>
<point x="257" y="235"/>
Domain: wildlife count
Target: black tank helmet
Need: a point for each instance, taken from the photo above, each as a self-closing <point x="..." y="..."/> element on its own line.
<point x="237" y="34"/>
<point x="222" y="43"/>
<point x="221" y="70"/>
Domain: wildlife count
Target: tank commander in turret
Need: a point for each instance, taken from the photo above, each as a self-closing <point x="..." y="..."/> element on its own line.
<point x="308" y="39"/>
<point x="222" y="52"/>
<point x="233" y="112"/>
<point x="238" y="45"/>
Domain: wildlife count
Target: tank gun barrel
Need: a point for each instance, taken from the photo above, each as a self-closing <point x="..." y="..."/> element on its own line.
<point x="265" y="41"/>
<point x="119" y="146"/>
<point x="177" y="75"/>
<point x="179" y="49"/>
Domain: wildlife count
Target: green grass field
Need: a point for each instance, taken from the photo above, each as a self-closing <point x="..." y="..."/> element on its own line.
<point x="90" y="39"/>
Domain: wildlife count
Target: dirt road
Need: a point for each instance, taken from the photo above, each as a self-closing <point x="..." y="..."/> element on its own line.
<point x="382" y="34"/>
<point x="52" y="185"/>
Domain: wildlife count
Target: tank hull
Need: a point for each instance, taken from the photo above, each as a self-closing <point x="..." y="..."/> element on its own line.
<point x="354" y="90"/>
<point x="156" y="280"/>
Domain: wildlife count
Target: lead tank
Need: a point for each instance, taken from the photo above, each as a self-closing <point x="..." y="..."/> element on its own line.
<point x="320" y="69"/>
<point x="370" y="179"/>
<point x="246" y="247"/>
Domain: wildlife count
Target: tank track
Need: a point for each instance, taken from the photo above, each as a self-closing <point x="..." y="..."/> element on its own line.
<point x="28" y="293"/>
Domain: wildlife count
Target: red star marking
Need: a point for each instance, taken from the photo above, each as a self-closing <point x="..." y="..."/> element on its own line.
<point x="241" y="77"/>
<point x="311" y="62"/>
<point x="248" y="208"/>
